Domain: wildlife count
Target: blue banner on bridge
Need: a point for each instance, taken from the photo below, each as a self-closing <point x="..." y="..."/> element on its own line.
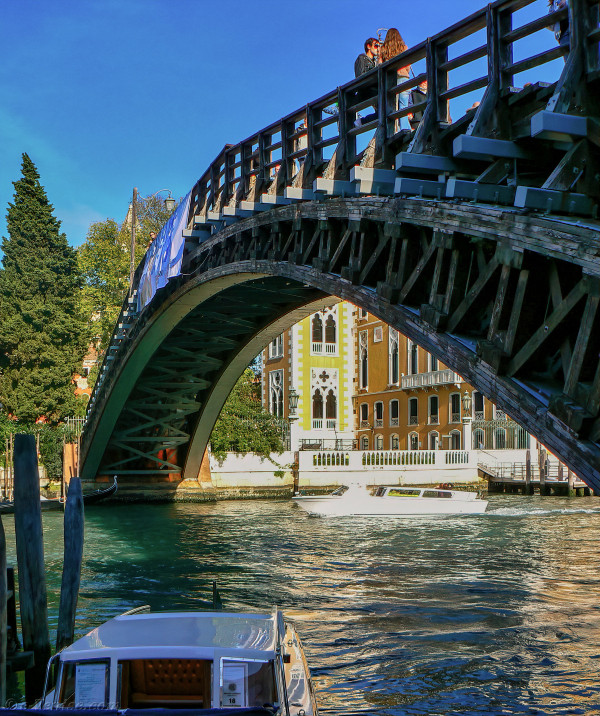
<point x="163" y="258"/>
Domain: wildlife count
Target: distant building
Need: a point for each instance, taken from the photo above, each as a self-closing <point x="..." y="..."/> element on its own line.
<point x="315" y="357"/>
<point x="363" y="385"/>
<point x="405" y="398"/>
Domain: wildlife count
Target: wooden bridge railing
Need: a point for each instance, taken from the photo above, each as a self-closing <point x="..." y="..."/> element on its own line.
<point x="296" y="149"/>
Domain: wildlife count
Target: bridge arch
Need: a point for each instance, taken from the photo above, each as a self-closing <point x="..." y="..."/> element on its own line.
<point x="505" y="299"/>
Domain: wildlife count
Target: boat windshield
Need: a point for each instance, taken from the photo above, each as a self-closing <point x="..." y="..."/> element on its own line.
<point x="436" y="493"/>
<point x="340" y="490"/>
<point x="403" y="493"/>
<point x="84" y="684"/>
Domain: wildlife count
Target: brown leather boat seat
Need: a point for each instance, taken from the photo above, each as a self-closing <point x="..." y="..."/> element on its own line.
<point x="178" y="683"/>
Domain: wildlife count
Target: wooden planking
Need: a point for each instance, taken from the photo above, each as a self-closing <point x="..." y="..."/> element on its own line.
<point x="73" y="554"/>
<point x="30" y="557"/>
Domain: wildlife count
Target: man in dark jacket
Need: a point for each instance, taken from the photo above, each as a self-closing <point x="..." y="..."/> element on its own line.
<point x="367" y="61"/>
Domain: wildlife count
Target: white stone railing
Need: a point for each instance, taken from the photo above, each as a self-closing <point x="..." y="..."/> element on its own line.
<point x="365" y="460"/>
<point x="428" y="380"/>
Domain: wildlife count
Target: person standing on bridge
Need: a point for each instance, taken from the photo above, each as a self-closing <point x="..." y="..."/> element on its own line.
<point x="365" y="62"/>
<point x="393" y="46"/>
<point x="561" y="29"/>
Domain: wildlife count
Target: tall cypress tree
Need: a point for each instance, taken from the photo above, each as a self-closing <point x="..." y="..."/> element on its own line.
<point x="42" y="332"/>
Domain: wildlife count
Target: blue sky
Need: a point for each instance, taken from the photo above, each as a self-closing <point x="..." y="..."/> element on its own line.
<point x="105" y="95"/>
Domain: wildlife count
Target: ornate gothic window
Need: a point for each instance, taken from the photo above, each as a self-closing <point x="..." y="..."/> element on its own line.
<point x="394" y="358"/>
<point x="276" y="393"/>
<point x="478" y="439"/>
<point x="324" y="332"/>
<point x="324" y="389"/>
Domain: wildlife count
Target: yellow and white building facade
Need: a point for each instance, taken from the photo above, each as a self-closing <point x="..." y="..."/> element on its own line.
<point x="315" y="358"/>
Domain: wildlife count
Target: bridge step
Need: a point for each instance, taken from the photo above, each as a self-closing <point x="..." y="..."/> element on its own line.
<point x="553" y="201"/>
<point x="476" y="191"/>
<point x="254" y="206"/>
<point x="420" y="187"/>
<point x="373" y="181"/>
<point x="235" y="212"/>
<point x="201" y="234"/>
<point x="298" y="194"/>
<point x="466" y="146"/>
<point x="334" y="187"/>
<point x="423" y="163"/>
<point x="274" y="199"/>
<point x="564" y="127"/>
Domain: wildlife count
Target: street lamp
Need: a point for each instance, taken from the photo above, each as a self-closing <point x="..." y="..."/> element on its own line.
<point x="467" y="402"/>
<point x="169" y="206"/>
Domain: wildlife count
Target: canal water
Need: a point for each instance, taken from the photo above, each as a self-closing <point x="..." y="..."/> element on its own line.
<point x="491" y="614"/>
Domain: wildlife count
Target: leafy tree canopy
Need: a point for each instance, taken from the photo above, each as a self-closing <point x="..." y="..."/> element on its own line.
<point x="42" y="331"/>
<point x="104" y="260"/>
<point x="244" y="425"/>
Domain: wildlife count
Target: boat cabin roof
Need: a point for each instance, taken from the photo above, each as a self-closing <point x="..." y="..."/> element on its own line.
<point x="183" y="634"/>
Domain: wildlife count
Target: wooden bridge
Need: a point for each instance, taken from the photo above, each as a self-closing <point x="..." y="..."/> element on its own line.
<point x="477" y="238"/>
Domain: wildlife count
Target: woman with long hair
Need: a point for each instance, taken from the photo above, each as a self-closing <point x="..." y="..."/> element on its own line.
<point x="393" y="46"/>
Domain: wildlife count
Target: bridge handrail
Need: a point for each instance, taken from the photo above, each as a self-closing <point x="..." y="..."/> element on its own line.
<point x="264" y="161"/>
<point x="290" y="151"/>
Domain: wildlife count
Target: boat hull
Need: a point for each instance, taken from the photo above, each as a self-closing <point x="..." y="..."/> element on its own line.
<point x="366" y="505"/>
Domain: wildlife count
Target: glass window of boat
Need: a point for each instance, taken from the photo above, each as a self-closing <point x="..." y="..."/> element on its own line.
<point x="164" y="683"/>
<point x="247" y="684"/>
<point x="403" y="493"/>
<point x="84" y="684"/>
<point x="436" y="493"/>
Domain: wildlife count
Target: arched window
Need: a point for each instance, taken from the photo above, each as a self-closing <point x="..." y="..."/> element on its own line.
<point x="413" y="441"/>
<point x="276" y="393"/>
<point x="394" y="413"/>
<point x="413" y="358"/>
<point x="478" y="405"/>
<point x="413" y="411"/>
<point x="478" y="439"/>
<point x="394" y="360"/>
<point x="378" y="414"/>
<point x="434" y="410"/>
<point x="331" y="406"/>
<point x="364" y="443"/>
<point x="379" y="442"/>
<point x="499" y="438"/>
<point x="364" y="415"/>
<point x="394" y="442"/>
<point x="455" y="440"/>
<point x="433" y="440"/>
<point x="330" y="329"/>
<point x="317" y="329"/>
<point x="454" y="408"/>
<point x="317" y="409"/>
<point x="364" y="359"/>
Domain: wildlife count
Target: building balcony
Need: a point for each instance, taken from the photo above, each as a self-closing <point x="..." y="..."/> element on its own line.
<point x="319" y="349"/>
<point x="432" y="379"/>
<point x="455" y="418"/>
<point x="378" y="422"/>
<point x="413" y="420"/>
<point x="330" y="424"/>
<point x="394" y="422"/>
<point x="433" y="420"/>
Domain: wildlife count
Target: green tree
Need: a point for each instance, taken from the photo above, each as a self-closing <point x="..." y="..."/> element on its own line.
<point x="243" y="425"/>
<point x="104" y="260"/>
<point x="42" y="331"/>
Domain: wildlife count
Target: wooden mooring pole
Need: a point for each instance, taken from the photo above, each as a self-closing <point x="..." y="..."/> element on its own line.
<point x="30" y="559"/>
<point x="69" y="589"/>
<point x="3" y="615"/>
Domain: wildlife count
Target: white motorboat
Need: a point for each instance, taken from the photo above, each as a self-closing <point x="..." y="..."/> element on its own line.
<point x="392" y="501"/>
<point x="236" y="663"/>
